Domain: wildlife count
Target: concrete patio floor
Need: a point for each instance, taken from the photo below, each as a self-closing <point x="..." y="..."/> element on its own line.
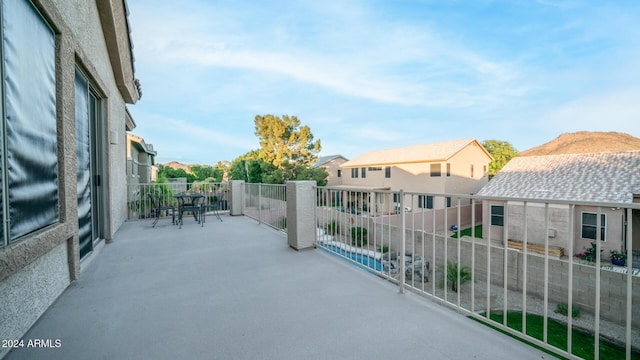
<point x="236" y="290"/>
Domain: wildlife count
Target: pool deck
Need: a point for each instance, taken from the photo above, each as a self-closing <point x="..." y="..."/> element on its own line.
<point x="236" y="290"/>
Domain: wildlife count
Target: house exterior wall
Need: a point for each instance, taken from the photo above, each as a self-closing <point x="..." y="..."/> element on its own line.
<point x="84" y="23"/>
<point x="36" y="269"/>
<point x="416" y="177"/>
<point x="461" y="180"/>
<point x="332" y="168"/>
<point x="559" y="224"/>
<point x="140" y="168"/>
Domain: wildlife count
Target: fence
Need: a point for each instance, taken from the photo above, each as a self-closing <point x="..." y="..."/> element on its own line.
<point x="266" y="203"/>
<point x="139" y="196"/>
<point x="507" y="262"/>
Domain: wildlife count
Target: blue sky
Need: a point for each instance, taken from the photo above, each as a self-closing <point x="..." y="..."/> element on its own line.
<point x="368" y="75"/>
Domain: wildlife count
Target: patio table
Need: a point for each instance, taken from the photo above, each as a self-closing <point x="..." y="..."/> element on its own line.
<point x="189" y="202"/>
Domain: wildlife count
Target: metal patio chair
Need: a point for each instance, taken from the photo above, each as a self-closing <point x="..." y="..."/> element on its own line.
<point x="157" y="207"/>
<point x="215" y="207"/>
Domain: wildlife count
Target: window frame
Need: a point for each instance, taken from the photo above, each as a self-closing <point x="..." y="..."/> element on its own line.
<point x="495" y="216"/>
<point x="435" y="170"/>
<point x="603" y="226"/>
<point x="425" y="202"/>
<point x="354" y="173"/>
<point x="13" y="211"/>
<point x="387" y="172"/>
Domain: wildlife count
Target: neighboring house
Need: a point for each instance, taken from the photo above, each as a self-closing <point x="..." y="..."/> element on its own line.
<point x="67" y="72"/>
<point x="141" y="166"/>
<point x="600" y="177"/>
<point x="452" y="167"/>
<point x="332" y="165"/>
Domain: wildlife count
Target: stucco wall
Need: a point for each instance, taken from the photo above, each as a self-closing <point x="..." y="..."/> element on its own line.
<point x="559" y="226"/>
<point x="25" y="295"/>
<point x="416" y="177"/>
<point x="38" y="267"/>
<point x="84" y="22"/>
<point x="332" y="168"/>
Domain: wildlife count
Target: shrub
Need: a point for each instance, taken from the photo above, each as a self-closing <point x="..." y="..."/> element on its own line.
<point x="590" y="253"/>
<point x="384" y="249"/>
<point x="452" y="275"/>
<point x="333" y="228"/>
<point x="358" y="236"/>
<point x="563" y="309"/>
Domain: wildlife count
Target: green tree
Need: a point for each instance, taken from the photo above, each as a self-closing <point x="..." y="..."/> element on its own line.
<point x="284" y="141"/>
<point x="502" y="152"/>
<point x="320" y="175"/>
<point x="202" y="172"/>
<point x="247" y="167"/>
<point x="171" y="173"/>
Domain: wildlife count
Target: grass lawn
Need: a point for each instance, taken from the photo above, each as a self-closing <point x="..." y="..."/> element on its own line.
<point x="583" y="342"/>
<point x="467" y="232"/>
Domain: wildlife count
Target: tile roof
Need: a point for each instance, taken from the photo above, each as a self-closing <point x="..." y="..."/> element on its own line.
<point x="439" y="151"/>
<point x="325" y="159"/>
<point x="598" y="177"/>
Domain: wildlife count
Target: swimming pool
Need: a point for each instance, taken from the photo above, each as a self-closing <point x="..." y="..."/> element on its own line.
<point x="367" y="261"/>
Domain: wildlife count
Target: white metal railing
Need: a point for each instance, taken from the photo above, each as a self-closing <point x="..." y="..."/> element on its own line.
<point x="140" y="206"/>
<point x="514" y="269"/>
<point x="266" y="203"/>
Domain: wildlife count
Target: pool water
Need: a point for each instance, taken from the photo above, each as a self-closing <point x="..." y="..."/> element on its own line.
<point x="367" y="261"/>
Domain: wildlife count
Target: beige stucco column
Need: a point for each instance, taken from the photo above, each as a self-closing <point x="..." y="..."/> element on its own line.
<point x="301" y="214"/>
<point x="236" y="197"/>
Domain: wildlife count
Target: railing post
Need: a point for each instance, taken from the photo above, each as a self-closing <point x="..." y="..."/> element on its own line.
<point x="403" y="226"/>
<point x="260" y="203"/>
<point x="235" y="196"/>
<point x="301" y="215"/>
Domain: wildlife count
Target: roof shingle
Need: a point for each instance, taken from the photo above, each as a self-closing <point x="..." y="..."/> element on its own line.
<point x="599" y="177"/>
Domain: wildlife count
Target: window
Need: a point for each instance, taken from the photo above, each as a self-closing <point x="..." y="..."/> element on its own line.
<point x="484" y="170"/>
<point x="472" y="171"/>
<point x="589" y="225"/>
<point x="363" y="172"/>
<point x="354" y="173"/>
<point x="497" y="215"/>
<point x="448" y="201"/>
<point x="28" y="129"/>
<point x="435" y="170"/>
<point x="339" y="173"/>
<point x="375" y="168"/>
<point x="387" y="172"/>
<point x="425" y="201"/>
<point x="396" y="198"/>
<point x="448" y="169"/>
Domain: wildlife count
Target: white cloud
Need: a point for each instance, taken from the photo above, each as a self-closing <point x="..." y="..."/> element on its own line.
<point x="178" y="138"/>
<point x="371" y="66"/>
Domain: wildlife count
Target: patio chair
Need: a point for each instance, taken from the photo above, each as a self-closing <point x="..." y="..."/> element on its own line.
<point x="215" y="207"/>
<point x="157" y="208"/>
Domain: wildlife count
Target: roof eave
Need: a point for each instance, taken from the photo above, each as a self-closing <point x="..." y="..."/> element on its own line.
<point x="115" y="27"/>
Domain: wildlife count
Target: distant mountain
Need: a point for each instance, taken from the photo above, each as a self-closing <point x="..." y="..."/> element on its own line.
<point x="583" y="142"/>
<point x="176" y="165"/>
